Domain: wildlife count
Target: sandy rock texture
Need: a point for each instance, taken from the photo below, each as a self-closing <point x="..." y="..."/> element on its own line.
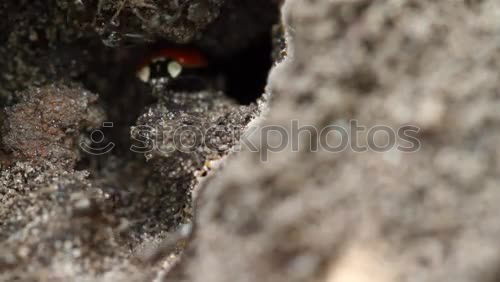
<point x="301" y="213"/>
<point x="70" y="215"/>
<point x="347" y="216"/>
<point x="46" y="124"/>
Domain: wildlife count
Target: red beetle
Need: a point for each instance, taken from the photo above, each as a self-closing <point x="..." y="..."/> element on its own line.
<point x="169" y="63"/>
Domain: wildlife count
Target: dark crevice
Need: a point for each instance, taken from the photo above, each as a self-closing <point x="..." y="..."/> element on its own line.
<point x="246" y="72"/>
<point x="238" y="68"/>
<point x="243" y="70"/>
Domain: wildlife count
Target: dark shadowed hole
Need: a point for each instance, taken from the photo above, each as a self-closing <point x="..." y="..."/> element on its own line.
<point x="113" y="75"/>
<point x="240" y="50"/>
<point x="246" y="72"/>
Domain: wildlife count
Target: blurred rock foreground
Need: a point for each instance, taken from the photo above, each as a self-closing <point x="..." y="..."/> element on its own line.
<point x="306" y="215"/>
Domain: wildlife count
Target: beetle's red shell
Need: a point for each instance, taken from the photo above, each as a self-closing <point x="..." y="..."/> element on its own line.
<point x="186" y="56"/>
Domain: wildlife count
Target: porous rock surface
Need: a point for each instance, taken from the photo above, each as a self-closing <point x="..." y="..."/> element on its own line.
<point x="301" y="215"/>
<point x="430" y="215"/>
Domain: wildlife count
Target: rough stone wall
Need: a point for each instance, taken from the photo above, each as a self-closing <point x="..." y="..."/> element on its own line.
<point x="430" y="215"/>
<point x="393" y="216"/>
